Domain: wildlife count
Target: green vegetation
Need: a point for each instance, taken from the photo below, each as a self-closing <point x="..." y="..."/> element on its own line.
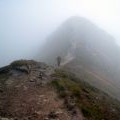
<point x="94" y="104"/>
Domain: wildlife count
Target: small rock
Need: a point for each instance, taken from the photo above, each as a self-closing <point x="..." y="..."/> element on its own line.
<point x="52" y="115"/>
<point x="32" y="80"/>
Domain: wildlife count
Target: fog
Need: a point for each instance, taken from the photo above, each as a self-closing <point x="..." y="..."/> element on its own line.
<point x="26" y="24"/>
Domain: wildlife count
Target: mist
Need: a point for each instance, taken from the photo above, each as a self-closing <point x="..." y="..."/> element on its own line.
<point x="59" y="59"/>
<point x="25" y="25"/>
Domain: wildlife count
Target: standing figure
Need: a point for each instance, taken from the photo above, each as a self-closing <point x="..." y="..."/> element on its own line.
<point x="58" y="61"/>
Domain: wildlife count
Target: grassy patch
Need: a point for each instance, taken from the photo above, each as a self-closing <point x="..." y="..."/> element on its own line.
<point x="66" y="87"/>
<point x="94" y="104"/>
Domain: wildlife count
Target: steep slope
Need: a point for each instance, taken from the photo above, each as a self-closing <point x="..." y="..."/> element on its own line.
<point x="94" y="104"/>
<point x="56" y="95"/>
<point x="88" y="51"/>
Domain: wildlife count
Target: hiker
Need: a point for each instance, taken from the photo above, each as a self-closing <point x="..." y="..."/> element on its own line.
<point x="58" y="61"/>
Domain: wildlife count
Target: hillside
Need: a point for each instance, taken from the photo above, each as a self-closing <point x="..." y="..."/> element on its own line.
<point x="31" y="90"/>
<point x="87" y="51"/>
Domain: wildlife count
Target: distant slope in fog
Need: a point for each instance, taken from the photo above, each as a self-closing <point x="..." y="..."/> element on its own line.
<point x="88" y="51"/>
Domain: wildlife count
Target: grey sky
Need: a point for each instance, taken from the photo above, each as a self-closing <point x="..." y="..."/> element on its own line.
<point x="24" y="24"/>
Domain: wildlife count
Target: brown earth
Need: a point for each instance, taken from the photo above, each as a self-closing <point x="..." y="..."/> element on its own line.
<point x="30" y="97"/>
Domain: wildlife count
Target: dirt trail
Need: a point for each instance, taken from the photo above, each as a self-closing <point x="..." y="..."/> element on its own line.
<point x="28" y="97"/>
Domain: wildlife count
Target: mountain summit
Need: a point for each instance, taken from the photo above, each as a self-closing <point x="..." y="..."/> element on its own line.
<point x="88" y="51"/>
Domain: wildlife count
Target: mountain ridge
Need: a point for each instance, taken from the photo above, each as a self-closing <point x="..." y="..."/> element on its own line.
<point x="90" y="46"/>
<point x="57" y="94"/>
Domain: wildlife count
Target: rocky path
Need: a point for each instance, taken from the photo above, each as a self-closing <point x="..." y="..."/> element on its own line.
<point x="30" y="97"/>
